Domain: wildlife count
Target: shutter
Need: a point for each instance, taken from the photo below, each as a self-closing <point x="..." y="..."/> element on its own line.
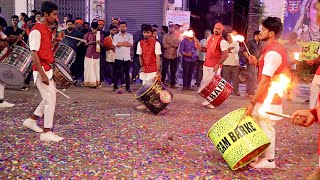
<point x="77" y="8"/>
<point x="7" y="7"/>
<point x="136" y="12"/>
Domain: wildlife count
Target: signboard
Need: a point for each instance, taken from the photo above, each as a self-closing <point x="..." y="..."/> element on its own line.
<point x="309" y="49"/>
<point x="300" y="17"/>
<point x="178" y="17"/>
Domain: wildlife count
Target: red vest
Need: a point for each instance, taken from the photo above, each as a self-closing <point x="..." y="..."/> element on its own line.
<point x="213" y="58"/>
<point x="45" y="52"/>
<point x="283" y="69"/>
<point x="148" y="55"/>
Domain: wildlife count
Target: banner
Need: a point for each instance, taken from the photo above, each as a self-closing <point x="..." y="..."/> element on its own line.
<point x="179" y="17"/>
<point x="300" y="17"/>
<point x="309" y="50"/>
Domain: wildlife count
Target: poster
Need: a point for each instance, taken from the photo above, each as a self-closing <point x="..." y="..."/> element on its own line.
<point x="300" y="17"/>
<point x="309" y="49"/>
<point x="97" y="9"/>
<point x="179" y="17"/>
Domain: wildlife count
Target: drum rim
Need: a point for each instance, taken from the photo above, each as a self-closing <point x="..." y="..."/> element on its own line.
<point x="21" y="75"/>
<point x="57" y="62"/>
<point x="146" y="90"/>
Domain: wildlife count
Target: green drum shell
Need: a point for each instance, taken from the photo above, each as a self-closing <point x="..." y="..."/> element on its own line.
<point x="244" y="149"/>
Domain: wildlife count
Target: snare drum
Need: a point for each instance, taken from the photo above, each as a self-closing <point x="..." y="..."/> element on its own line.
<point x="15" y="65"/>
<point x="65" y="53"/>
<point x="61" y="75"/>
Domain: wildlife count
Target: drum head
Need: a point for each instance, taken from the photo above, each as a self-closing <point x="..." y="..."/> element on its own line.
<point x="10" y="75"/>
<point x="64" y="70"/>
<point x="145" y="88"/>
<point x="206" y="82"/>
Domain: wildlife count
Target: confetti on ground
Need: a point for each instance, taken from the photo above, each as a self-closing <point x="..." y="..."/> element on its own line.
<point x="105" y="137"/>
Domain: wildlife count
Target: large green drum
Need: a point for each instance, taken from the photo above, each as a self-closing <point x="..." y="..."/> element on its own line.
<point x="239" y="143"/>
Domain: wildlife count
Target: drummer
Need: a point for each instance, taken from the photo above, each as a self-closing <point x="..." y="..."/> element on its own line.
<point x="273" y="62"/>
<point x="216" y="53"/>
<point x="40" y="40"/>
<point x="3" y="44"/>
<point x="149" y="51"/>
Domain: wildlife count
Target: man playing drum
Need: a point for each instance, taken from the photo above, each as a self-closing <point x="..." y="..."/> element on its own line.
<point x="272" y="64"/>
<point x="149" y="51"/>
<point x="216" y="53"/>
<point x="40" y="40"/>
<point x="3" y="44"/>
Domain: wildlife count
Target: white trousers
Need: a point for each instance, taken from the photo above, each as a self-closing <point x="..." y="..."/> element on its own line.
<point x="2" y="86"/>
<point x="267" y="127"/>
<point x="147" y="77"/>
<point x="314" y="91"/>
<point x="91" y="72"/>
<point x="48" y="103"/>
<point x="207" y="71"/>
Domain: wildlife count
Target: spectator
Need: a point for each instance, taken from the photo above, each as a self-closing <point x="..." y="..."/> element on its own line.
<point x="14" y="33"/>
<point x="137" y="37"/>
<point x="189" y="57"/>
<point x="102" y="52"/>
<point x="202" y="57"/>
<point x="38" y="17"/>
<point x="231" y="65"/>
<point x="110" y="48"/>
<point x="123" y="41"/>
<point x="22" y="21"/>
<point x="254" y="47"/>
<point x="33" y="12"/>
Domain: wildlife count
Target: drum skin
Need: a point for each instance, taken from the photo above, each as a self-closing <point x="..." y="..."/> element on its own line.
<point x="61" y="75"/>
<point x="217" y="91"/>
<point x="154" y="96"/>
<point x="15" y="65"/>
<point x="238" y="138"/>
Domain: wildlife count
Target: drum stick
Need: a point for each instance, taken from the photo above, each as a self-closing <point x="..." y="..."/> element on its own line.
<point x="79" y="39"/>
<point x="279" y="114"/>
<point x="63" y="94"/>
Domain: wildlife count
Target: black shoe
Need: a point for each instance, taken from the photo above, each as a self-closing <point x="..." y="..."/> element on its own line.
<point x="190" y="89"/>
<point x="129" y="91"/>
<point x="173" y="87"/>
<point x="24" y="89"/>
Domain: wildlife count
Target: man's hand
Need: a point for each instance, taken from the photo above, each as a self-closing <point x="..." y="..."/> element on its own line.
<point x="253" y="60"/>
<point x="158" y="76"/>
<point x="303" y="118"/>
<point x="230" y="48"/>
<point x="249" y="109"/>
<point x="189" y="54"/>
<point x="60" y="36"/>
<point x="98" y="41"/>
<point x="45" y="79"/>
<point x="216" y="68"/>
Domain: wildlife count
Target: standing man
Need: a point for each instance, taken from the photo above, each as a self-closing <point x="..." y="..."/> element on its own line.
<point x="149" y="51"/>
<point x="92" y="58"/>
<point x="38" y="17"/>
<point x="231" y="65"/>
<point x="292" y="47"/>
<point x="272" y="64"/>
<point x="3" y="44"/>
<point x="201" y="58"/>
<point x="74" y="44"/>
<point x="123" y="42"/>
<point x="40" y="40"/>
<point x="216" y="53"/>
<point x="102" y="51"/>
<point x="170" y="44"/>
<point x="137" y="37"/>
<point x="14" y="33"/>
<point x="254" y="47"/>
<point x="111" y="56"/>
<point x="188" y="51"/>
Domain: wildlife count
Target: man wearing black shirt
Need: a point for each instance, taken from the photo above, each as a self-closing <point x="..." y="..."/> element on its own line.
<point x="13" y="32"/>
<point x="74" y="44"/>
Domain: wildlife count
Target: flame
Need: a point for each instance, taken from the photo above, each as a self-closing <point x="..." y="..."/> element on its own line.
<point x="188" y="33"/>
<point x="277" y="87"/>
<point x="238" y="38"/>
<point x="296" y="55"/>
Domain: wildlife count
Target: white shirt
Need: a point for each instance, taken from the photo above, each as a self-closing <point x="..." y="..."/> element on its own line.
<point x="272" y="62"/>
<point x="123" y="53"/>
<point x="157" y="50"/>
<point x="2" y="35"/>
<point x="202" y="55"/>
<point x="111" y="55"/>
<point x="34" y="43"/>
<point x="233" y="56"/>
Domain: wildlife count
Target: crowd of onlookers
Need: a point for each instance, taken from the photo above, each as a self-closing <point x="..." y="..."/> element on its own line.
<point x="120" y="66"/>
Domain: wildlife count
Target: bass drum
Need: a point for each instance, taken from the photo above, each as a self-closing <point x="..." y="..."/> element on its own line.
<point x="15" y="65"/>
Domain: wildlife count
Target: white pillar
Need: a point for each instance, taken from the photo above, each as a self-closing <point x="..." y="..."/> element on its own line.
<point x="20" y="6"/>
<point x="274" y="8"/>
